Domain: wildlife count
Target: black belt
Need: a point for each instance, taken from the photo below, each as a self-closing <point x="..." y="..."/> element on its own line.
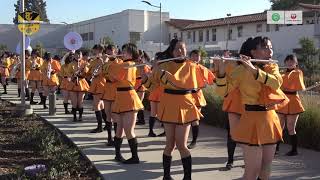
<point x="255" y="108"/>
<point x="138" y="78"/>
<point x="293" y="92"/>
<point x="179" y="92"/>
<point x="65" y="77"/>
<point x="125" y="89"/>
<point x="108" y="81"/>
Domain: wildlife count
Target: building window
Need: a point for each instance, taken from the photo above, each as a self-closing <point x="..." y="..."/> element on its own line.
<point x="208" y="36"/>
<point x="134" y="37"/>
<point x="181" y="35"/>
<point x="189" y="35"/>
<point x="277" y="27"/>
<point x="201" y="36"/>
<point x="214" y="34"/>
<point x="259" y="28"/>
<point x="240" y="31"/>
<point x="175" y="36"/>
<point x="230" y="34"/>
<point x="85" y="36"/>
<point x="194" y="36"/>
<point x="90" y="36"/>
<point x="268" y="28"/>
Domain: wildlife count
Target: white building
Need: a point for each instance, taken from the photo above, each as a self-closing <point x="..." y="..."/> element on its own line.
<point x="217" y="35"/>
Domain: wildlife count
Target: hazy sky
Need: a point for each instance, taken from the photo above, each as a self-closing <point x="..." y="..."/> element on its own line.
<point x="77" y="10"/>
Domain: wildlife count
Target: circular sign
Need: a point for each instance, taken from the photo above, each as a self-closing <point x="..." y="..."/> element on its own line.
<point x="72" y="41"/>
<point x="275" y="16"/>
<point x="28" y="22"/>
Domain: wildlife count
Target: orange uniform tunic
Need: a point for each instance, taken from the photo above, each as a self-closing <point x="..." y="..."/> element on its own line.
<point x="127" y="98"/>
<point x="110" y="89"/>
<point x="154" y="88"/>
<point x="292" y="82"/>
<point x="99" y="81"/>
<point x="258" y="125"/>
<point x="179" y="80"/>
<point x="55" y="68"/>
<point x="232" y="100"/>
<point x="35" y="73"/>
<point x="81" y="85"/>
<point x="205" y="77"/>
<point x="139" y="87"/>
<point x="5" y="71"/>
<point x="28" y="69"/>
<point x="64" y="75"/>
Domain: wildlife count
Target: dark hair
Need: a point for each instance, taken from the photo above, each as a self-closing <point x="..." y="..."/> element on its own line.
<point x="35" y="52"/>
<point x="47" y="56"/>
<point x="197" y="52"/>
<point x="291" y="57"/>
<point x="98" y="47"/>
<point x="110" y="47"/>
<point x="253" y="44"/>
<point x="132" y="49"/>
<point x="85" y="53"/>
<point x="146" y="56"/>
<point x="168" y="53"/>
<point x="78" y="52"/>
<point x="27" y="53"/>
<point x="57" y="57"/>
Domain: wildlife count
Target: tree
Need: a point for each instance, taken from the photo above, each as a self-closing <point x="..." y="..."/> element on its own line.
<point x="38" y="6"/>
<point x="308" y="56"/>
<point x="106" y="41"/>
<point x="288" y="4"/>
<point x="40" y="48"/>
<point x="3" y="48"/>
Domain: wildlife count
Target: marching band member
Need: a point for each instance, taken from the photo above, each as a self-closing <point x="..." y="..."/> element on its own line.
<point x="143" y="57"/>
<point x="154" y="98"/>
<point x="110" y="90"/>
<point x="64" y="74"/>
<point x="50" y="80"/>
<point x="292" y="83"/>
<point x="35" y="75"/>
<point x="127" y="103"/>
<point x="97" y="86"/>
<point x="259" y="127"/>
<point x="18" y="74"/>
<point x="78" y="86"/>
<point x="233" y="106"/>
<point x="198" y="94"/>
<point x="5" y="71"/>
<point x="179" y="79"/>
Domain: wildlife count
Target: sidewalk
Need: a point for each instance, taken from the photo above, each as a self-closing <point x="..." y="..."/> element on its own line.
<point x="209" y="156"/>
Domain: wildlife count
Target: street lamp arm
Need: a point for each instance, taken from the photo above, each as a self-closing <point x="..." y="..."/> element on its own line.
<point x="147" y="2"/>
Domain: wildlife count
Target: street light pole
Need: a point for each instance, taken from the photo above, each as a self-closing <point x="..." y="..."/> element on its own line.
<point x="160" y="7"/>
<point x="228" y="31"/>
<point x="23" y="62"/>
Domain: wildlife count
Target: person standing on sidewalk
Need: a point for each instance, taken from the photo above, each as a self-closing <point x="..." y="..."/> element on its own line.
<point x="35" y="76"/>
<point x="127" y="102"/>
<point x="292" y="83"/>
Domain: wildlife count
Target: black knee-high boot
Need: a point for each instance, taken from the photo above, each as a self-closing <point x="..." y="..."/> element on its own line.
<point x="19" y="92"/>
<point x="133" y="143"/>
<point x="5" y="89"/>
<point x="294" y="144"/>
<point x="44" y="101"/>
<point x="117" y="146"/>
<point x="104" y="117"/>
<point x="231" y="146"/>
<point x="109" y="130"/>
<point x="66" y="111"/>
<point x="151" y="125"/>
<point x="140" y="116"/>
<point x="31" y="99"/>
<point x="80" y="113"/>
<point x="115" y="125"/>
<point x="27" y="93"/>
<point x="41" y="98"/>
<point x="195" y="133"/>
<point x="99" y="121"/>
<point x="166" y="163"/>
<point x="187" y="167"/>
<point x="74" y="112"/>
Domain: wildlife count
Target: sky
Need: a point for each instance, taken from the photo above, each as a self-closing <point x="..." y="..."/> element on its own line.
<point x="71" y="11"/>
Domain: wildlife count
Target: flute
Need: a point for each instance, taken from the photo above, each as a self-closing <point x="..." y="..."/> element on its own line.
<point x="239" y="59"/>
<point x="159" y="61"/>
